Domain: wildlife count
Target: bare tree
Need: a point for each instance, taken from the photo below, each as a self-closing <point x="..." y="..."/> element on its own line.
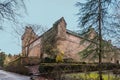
<point x="10" y="10"/>
<point x="19" y="30"/>
<point x="28" y="34"/>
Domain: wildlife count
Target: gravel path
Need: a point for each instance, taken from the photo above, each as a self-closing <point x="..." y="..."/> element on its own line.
<point x="12" y="76"/>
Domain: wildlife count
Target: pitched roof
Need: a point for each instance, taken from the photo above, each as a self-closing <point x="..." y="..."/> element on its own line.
<point x="73" y="33"/>
<point x="60" y="20"/>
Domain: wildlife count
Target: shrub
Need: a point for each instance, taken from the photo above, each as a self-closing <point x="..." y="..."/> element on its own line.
<point x="59" y="57"/>
<point x="48" y="60"/>
<point x="68" y="60"/>
<point x="17" y="69"/>
<point x="45" y="69"/>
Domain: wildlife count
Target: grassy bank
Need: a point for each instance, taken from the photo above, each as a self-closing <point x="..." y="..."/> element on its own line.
<point x="91" y="76"/>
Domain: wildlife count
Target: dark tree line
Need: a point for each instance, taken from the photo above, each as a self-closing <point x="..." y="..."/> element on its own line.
<point x="2" y="58"/>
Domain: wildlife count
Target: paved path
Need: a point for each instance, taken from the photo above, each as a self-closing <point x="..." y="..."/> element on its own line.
<point x="12" y="76"/>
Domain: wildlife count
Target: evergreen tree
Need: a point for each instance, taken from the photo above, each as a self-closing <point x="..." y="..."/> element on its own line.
<point x="97" y="13"/>
<point x="2" y="58"/>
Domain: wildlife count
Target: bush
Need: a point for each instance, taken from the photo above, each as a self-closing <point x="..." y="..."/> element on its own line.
<point x="17" y="69"/>
<point x="68" y="60"/>
<point x="48" y="60"/>
<point x="45" y="69"/>
<point x="71" y="67"/>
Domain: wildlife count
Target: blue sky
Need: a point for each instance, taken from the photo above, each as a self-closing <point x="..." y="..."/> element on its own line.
<point x="41" y="12"/>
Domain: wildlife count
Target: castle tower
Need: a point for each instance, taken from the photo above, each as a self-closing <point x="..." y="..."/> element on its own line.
<point x="28" y="36"/>
<point x="61" y="28"/>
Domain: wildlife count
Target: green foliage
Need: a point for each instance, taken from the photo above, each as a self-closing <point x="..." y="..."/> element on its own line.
<point x="88" y="12"/>
<point x="45" y="68"/>
<point x="91" y="76"/>
<point x="50" y="50"/>
<point x="48" y="60"/>
<point x="9" y="55"/>
<point x="53" y="68"/>
<point x="93" y="13"/>
<point x="2" y="58"/>
<point x="86" y="52"/>
<point x="92" y="49"/>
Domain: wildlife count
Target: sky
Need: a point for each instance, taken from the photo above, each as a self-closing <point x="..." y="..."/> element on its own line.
<point x="41" y="12"/>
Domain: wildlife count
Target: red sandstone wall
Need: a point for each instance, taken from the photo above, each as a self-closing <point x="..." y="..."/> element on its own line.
<point x="71" y="46"/>
<point x="35" y="49"/>
<point x="66" y="42"/>
<point x="28" y="36"/>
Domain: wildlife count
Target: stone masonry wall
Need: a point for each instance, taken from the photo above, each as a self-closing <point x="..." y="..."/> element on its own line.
<point x="58" y="38"/>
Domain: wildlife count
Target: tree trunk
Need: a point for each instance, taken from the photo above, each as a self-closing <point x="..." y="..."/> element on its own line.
<point x="100" y="40"/>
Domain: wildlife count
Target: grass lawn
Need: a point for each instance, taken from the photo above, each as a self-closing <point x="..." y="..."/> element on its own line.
<point x="91" y="76"/>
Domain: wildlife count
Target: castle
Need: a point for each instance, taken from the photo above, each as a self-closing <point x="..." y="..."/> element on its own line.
<point x="58" y="39"/>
